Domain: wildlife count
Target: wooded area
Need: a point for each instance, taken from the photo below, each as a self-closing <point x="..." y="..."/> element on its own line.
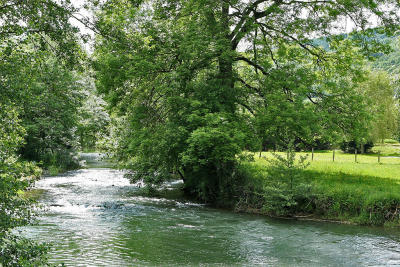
<point x="192" y="90"/>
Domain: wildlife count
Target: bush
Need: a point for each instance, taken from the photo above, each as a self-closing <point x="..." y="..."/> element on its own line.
<point x="210" y="162"/>
<point x="16" y="176"/>
<point x="285" y="190"/>
<point x="250" y="192"/>
<point x="17" y="251"/>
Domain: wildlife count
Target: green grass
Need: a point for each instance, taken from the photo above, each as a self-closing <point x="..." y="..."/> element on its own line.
<point x="366" y="192"/>
<point x="388" y="149"/>
<point x="367" y="165"/>
<point x="391" y="141"/>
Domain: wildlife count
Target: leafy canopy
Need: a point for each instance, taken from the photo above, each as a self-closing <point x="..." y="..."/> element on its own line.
<point x="197" y="82"/>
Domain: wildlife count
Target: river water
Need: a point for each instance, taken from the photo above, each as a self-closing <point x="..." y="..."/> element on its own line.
<point x="94" y="217"/>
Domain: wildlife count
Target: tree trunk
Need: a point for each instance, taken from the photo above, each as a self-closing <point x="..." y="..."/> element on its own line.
<point x="225" y="60"/>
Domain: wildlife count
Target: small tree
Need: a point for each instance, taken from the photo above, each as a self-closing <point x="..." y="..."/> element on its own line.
<point x="285" y="186"/>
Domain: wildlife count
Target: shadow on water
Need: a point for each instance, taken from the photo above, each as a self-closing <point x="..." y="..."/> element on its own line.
<point x="95" y="217"/>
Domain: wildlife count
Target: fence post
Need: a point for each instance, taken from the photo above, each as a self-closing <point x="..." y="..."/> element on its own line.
<point x="333" y="156"/>
<point x="312" y="154"/>
<point x="379" y="156"/>
<point x="355" y="155"/>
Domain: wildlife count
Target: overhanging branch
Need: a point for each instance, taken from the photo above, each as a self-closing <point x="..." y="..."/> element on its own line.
<point x="252" y="63"/>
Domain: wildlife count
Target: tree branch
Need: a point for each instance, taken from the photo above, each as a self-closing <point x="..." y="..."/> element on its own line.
<point x="297" y="41"/>
<point x="255" y="65"/>
<point x="251" y="87"/>
<point x="246" y="21"/>
<point x="247" y="107"/>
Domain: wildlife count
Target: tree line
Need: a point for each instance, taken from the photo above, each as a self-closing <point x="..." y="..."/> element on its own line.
<point x="46" y="98"/>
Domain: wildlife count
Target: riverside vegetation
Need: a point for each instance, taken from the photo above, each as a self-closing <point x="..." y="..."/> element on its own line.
<point x="198" y="84"/>
<point x="365" y="193"/>
<point x="191" y="89"/>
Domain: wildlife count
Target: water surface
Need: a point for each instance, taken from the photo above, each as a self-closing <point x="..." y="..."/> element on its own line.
<point x="95" y="217"/>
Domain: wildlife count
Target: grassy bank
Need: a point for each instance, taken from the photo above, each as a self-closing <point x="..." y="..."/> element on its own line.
<point x="366" y="192"/>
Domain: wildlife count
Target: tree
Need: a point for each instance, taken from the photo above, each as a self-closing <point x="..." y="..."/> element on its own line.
<point x="94" y="121"/>
<point x="390" y="62"/>
<point x="15" y="209"/>
<point x="380" y="91"/>
<point x="38" y="103"/>
<point x="47" y="20"/>
<point x="39" y="51"/>
<point x="48" y="95"/>
<point x="193" y="77"/>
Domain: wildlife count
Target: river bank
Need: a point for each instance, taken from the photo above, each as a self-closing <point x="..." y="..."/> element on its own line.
<point x="345" y="192"/>
<point x="365" y="193"/>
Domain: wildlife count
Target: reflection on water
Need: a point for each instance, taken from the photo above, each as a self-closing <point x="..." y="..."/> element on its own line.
<point x="94" y="218"/>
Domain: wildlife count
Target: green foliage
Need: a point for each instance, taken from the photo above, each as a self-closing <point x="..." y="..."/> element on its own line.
<point x="16" y="251"/>
<point x="197" y="82"/>
<point x="389" y="62"/>
<point x="209" y="161"/>
<point x="48" y="22"/>
<point x="94" y="121"/>
<point x="284" y="186"/>
<point x="39" y="98"/>
<point x="15" y="177"/>
<point x="11" y="132"/>
<point x="380" y="90"/>
<point x="250" y="194"/>
<point x="47" y="95"/>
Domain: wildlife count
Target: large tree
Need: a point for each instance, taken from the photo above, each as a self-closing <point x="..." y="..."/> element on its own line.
<point x="48" y="20"/>
<point x="47" y="95"/>
<point x="379" y="88"/>
<point x="200" y="81"/>
<point x="40" y="50"/>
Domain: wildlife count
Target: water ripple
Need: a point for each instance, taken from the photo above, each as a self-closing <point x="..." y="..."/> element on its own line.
<point x="94" y="218"/>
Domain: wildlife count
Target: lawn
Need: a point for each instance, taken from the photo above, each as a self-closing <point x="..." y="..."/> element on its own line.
<point x="367" y="165"/>
<point x="366" y="192"/>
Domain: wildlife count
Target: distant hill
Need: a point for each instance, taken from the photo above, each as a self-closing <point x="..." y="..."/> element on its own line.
<point x="389" y="62"/>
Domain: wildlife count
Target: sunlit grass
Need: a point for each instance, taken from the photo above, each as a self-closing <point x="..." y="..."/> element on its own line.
<point x="365" y="191"/>
<point x="367" y="165"/>
<point x="391" y="149"/>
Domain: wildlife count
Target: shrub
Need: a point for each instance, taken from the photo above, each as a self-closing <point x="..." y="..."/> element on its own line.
<point x="285" y="190"/>
<point x="250" y="192"/>
<point x="16" y="251"/>
<point x="16" y="176"/>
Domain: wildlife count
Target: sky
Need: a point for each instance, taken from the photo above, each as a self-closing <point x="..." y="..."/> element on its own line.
<point x="86" y="14"/>
<point x="345" y="24"/>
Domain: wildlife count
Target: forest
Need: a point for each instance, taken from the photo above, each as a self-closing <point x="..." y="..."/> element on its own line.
<point x="246" y="102"/>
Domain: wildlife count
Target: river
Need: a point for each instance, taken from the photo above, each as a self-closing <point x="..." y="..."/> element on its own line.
<point x="94" y="217"/>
